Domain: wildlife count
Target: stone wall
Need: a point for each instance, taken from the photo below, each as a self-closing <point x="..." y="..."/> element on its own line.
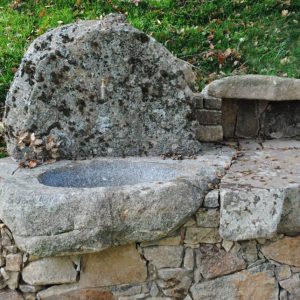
<point x="193" y="263"/>
<point x="250" y="106"/>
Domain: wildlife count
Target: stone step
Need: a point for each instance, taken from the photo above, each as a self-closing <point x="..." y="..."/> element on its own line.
<point x="260" y="194"/>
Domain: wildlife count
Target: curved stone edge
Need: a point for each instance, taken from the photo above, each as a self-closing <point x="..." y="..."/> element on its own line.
<point x="46" y="223"/>
<point x="256" y="87"/>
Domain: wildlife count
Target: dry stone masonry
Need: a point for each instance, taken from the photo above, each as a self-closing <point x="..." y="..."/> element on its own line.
<point x="249" y="106"/>
<point x="214" y="222"/>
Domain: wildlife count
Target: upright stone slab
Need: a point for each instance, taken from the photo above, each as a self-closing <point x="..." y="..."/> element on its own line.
<point x="99" y="88"/>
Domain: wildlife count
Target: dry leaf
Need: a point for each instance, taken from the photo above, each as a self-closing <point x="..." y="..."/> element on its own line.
<point x="32" y="164"/>
<point x="42" y="13"/>
<point x="227" y="52"/>
<point x="221" y="58"/>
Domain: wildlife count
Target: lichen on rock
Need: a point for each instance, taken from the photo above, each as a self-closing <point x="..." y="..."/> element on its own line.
<point x="100" y="88"/>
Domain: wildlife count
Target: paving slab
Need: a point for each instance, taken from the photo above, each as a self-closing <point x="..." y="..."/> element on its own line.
<point x="260" y="192"/>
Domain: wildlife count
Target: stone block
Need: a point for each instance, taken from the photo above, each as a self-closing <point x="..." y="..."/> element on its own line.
<point x="196" y="235"/>
<point x="113" y="266"/>
<point x="14" y="262"/>
<point x="208" y="217"/>
<point x="164" y="256"/>
<point x="285" y="251"/>
<point x="188" y="262"/>
<point x="209" y="133"/>
<point x="261" y="87"/>
<point x="175" y="283"/>
<point x="247" y="123"/>
<point x="10" y="295"/>
<point x="213" y="103"/>
<point x="283" y="272"/>
<point x="249" y="251"/>
<point x="198" y="100"/>
<point x="50" y="270"/>
<point x="214" y="262"/>
<point x="27" y="288"/>
<point x="247" y="284"/>
<point x="211" y="200"/>
<point x="229" y="116"/>
<point x="292" y="285"/>
<point x="13" y="281"/>
<point x="208" y="117"/>
<point x="249" y="213"/>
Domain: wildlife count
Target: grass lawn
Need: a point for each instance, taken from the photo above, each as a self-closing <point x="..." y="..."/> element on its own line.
<point x="219" y="37"/>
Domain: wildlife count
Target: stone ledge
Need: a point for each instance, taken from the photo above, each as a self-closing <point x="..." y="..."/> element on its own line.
<point x="47" y="220"/>
<point x="256" y="87"/>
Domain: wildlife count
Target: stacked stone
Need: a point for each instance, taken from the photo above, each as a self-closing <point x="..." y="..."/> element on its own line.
<point x="194" y="263"/>
<point x="12" y="261"/>
<point x="209" y="115"/>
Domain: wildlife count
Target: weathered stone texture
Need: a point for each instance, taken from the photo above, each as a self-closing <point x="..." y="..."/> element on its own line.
<point x="255" y="87"/>
<point x="292" y="285"/>
<point x="211" y="133"/>
<point x="99" y="88"/>
<point x="211" y="199"/>
<point x="43" y="221"/>
<point x="10" y="295"/>
<point x="164" y="256"/>
<point x="244" y="285"/>
<point x="247" y="214"/>
<point x="196" y="235"/>
<point x="214" y="262"/>
<point x="208" y="117"/>
<point x="286" y="251"/>
<point x="208" y="218"/>
<point x="49" y="270"/>
<point x="113" y="266"/>
<point x="175" y="282"/>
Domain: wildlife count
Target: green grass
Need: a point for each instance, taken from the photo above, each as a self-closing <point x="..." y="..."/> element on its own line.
<point x="263" y="36"/>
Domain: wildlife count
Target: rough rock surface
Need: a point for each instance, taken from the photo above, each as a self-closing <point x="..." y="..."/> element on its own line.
<point x="286" y="251"/>
<point x="248" y="284"/>
<point x="49" y="270"/>
<point x="43" y="219"/>
<point x="259" y="194"/>
<point x="257" y="87"/>
<point x="164" y="256"/>
<point x="10" y="295"/>
<point x="113" y="266"/>
<point x="214" y="262"/>
<point x="99" y="88"/>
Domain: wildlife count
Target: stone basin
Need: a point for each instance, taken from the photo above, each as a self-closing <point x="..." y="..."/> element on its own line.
<point x="109" y="173"/>
<point x="86" y="206"/>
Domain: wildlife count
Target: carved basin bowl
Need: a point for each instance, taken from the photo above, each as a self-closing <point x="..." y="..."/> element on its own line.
<point x="109" y="173"/>
<point x="85" y="206"/>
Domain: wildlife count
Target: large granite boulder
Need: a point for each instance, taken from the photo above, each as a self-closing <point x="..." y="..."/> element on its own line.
<point x="99" y="88"/>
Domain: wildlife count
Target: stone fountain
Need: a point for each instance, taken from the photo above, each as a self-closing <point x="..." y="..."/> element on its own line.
<point x="111" y="191"/>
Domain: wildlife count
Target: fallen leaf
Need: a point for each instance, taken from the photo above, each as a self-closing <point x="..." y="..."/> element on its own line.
<point x="42" y="13"/>
<point x="227" y="52"/>
<point x="32" y="164"/>
<point x="221" y="58"/>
